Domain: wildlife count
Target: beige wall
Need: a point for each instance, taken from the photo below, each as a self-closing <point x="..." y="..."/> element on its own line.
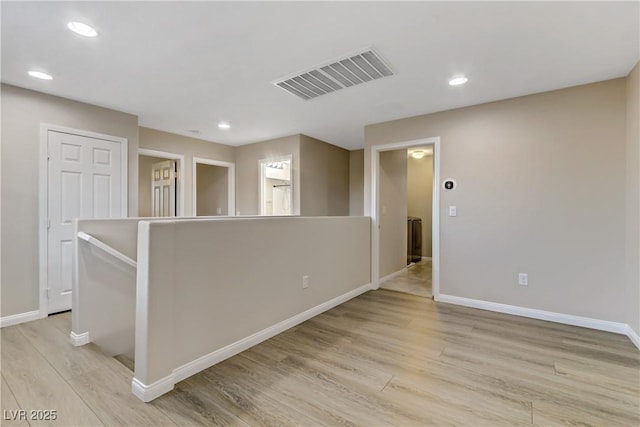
<point x="541" y="190"/>
<point x="105" y="293"/>
<point x="420" y="195"/>
<point x="633" y="199"/>
<point x="393" y="211"/>
<point x="189" y="147"/>
<point x="145" y="196"/>
<point x="212" y="190"/>
<point x="324" y="178"/>
<point x="23" y="111"/>
<point x="356" y="182"/>
<point x="248" y="171"/>
<point x="188" y="290"/>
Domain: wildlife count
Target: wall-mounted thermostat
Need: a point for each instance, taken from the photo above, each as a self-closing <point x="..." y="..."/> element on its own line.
<point x="449" y="184"/>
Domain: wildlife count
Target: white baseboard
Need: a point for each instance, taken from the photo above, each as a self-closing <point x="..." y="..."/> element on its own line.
<point x="147" y="393"/>
<point x="633" y="336"/>
<point x="79" y="339"/>
<point x="426" y="258"/>
<point x="19" y="318"/>
<point x="567" y="319"/>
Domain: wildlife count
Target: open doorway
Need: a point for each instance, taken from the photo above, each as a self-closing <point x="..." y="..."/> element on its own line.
<point x="416" y="278"/>
<point x="160" y="184"/>
<point x="213" y="187"/>
<point x="396" y="260"/>
<point x="276" y="187"/>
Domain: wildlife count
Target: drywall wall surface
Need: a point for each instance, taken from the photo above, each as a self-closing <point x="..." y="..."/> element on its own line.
<point x="121" y="234"/>
<point x="248" y="171"/>
<point x="420" y="195"/>
<point x="152" y="139"/>
<point x="212" y="188"/>
<point x="393" y="211"/>
<point x="193" y="277"/>
<point x="633" y="199"/>
<point x="324" y="178"/>
<point x="356" y="182"/>
<point x="541" y="190"/>
<point x="105" y="286"/>
<point x="104" y="293"/>
<point x="145" y="195"/>
<point x="23" y="112"/>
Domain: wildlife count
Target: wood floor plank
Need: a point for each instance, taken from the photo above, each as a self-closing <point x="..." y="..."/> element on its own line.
<point x="62" y="321"/>
<point x="68" y="360"/>
<point x="107" y="390"/>
<point x="548" y="413"/>
<point x="12" y="415"/>
<point x="538" y="385"/>
<point x="362" y="374"/>
<point x="37" y="385"/>
<point x="290" y="393"/>
<point x="446" y="405"/>
<point x="246" y="403"/>
<point x="350" y="398"/>
<point x="187" y="407"/>
<point x="600" y="372"/>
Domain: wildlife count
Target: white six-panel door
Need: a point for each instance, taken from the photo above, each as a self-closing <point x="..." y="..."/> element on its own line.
<point x="84" y="181"/>
<point x="163" y="187"/>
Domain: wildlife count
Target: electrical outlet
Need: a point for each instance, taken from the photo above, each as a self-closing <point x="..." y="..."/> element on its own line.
<point x="523" y="279"/>
<point x="305" y="282"/>
<point x="218" y="211"/>
<point x="453" y="211"/>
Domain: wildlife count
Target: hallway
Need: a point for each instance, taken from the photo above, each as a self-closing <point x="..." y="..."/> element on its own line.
<point x="414" y="280"/>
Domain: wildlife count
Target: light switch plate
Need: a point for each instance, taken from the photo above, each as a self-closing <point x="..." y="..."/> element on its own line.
<point x="453" y="211"/>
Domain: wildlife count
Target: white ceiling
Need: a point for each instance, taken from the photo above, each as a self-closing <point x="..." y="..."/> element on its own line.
<point x="182" y="66"/>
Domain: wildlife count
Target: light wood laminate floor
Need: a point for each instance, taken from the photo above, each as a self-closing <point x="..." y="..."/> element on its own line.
<point x="382" y="359"/>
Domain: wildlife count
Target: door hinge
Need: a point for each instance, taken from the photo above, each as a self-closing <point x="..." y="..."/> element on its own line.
<point x="48" y="224"/>
<point x="46" y="293"/>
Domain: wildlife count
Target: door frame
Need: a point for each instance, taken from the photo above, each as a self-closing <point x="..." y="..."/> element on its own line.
<point x="231" y="183"/>
<point x="43" y="197"/>
<point x="375" y="208"/>
<point x="179" y="158"/>
<point x="262" y="176"/>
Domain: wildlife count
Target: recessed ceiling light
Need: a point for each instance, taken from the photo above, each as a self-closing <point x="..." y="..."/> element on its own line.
<point x="223" y="125"/>
<point x="40" y="75"/>
<point x="82" y="29"/>
<point x="458" y="81"/>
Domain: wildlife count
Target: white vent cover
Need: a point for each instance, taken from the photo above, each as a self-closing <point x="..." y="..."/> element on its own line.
<point x="352" y="70"/>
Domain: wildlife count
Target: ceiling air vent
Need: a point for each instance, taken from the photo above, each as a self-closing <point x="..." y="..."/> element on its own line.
<point x="350" y="71"/>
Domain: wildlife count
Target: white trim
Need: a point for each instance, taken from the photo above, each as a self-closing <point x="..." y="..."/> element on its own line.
<point x="231" y="183"/>
<point x="79" y="339"/>
<point x="164" y="385"/>
<point x="106" y="248"/>
<point x="633" y="336"/>
<point x="147" y="393"/>
<point x="426" y="258"/>
<point x="43" y="200"/>
<point x="435" y="223"/>
<point x="20" y="318"/>
<point x="392" y="275"/>
<point x="181" y="172"/>
<point x="567" y="319"/>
